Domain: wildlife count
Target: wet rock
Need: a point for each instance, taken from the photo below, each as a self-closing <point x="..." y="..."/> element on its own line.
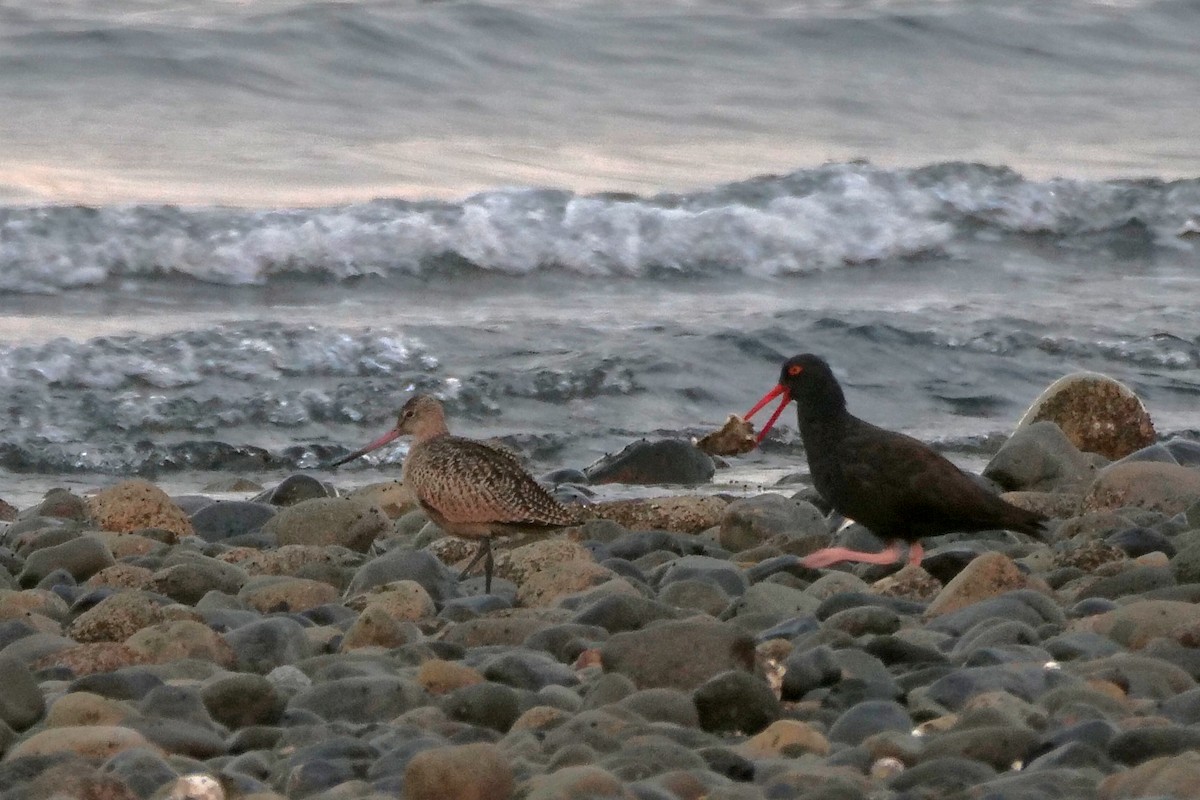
<point x="1133" y="581"/>
<point x="868" y="718"/>
<point x="399" y="565"/>
<point x="1140" y="541"/>
<point x="946" y="776"/>
<point x="294" y="489"/>
<point x="616" y="613"/>
<point x="81" y="557"/>
<point x="751" y="521"/>
<point x="1039" y="457"/>
<point x="194" y="576"/>
<point x="135" y="504"/>
<point x="995" y="745"/>
<point x="667" y="461"/>
<point x="360" y="699"/>
<point x="662" y="705"/>
<point x="1168" y="488"/>
<point x="488" y="705"/>
<point x="329" y="520"/>
<point x="1143" y="744"/>
<point x="735" y="701"/>
<point x="223" y="520"/>
<point x="677" y="654"/>
<point x="274" y="642"/>
<point x="1097" y="413"/>
<point x="21" y="702"/>
<point x="241" y="700"/>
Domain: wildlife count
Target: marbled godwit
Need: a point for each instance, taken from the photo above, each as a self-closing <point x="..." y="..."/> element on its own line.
<point x="471" y="489"/>
<point x="890" y="483"/>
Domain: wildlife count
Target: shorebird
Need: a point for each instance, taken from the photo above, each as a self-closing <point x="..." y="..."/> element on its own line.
<point x="892" y="484"/>
<point x="471" y="489"/>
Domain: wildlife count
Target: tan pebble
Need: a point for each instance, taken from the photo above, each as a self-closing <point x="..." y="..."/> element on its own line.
<point x="988" y="575"/>
<point x="911" y="582"/>
<point x="17" y="604"/>
<point x="391" y="497"/>
<point x="269" y="594"/>
<point x="576" y="781"/>
<point x="90" y="741"/>
<point x="1155" y="559"/>
<point x="286" y="560"/>
<point x="464" y="772"/>
<point x="402" y="600"/>
<point x="121" y="576"/>
<point x="785" y="737"/>
<point x="179" y="639"/>
<point x="116" y="618"/>
<point x="936" y="725"/>
<point x="373" y="628"/>
<point x="682" y="514"/>
<point x="1169" y="488"/>
<point x="93" y="657"/>
<point x="76" y="709"/>
<point x="539" y="718"/>
<point x="440" y="677"/>
<point x="135" y="504"/>
<point x="129" y="545"/>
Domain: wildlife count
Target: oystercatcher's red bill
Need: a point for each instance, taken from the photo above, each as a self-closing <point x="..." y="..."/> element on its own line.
<point x="778" y="391"/>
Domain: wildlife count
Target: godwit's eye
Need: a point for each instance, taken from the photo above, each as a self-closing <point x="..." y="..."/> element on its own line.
<point x="795" y="369"/>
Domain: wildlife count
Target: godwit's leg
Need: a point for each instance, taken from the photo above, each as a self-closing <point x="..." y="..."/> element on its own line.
<point x="484" y="553"/>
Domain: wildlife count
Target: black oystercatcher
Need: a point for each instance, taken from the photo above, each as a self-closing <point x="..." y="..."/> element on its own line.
<point x="471" y="489"/>
<point x="890" y="483"/>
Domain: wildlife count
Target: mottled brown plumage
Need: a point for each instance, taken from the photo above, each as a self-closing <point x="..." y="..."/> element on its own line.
<point x="471" y="489"/>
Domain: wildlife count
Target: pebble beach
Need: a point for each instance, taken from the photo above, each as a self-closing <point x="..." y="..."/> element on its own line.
<point x="313" y="640"/>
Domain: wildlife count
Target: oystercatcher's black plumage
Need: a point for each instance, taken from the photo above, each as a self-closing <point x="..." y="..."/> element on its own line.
<point x="895" y="485"/>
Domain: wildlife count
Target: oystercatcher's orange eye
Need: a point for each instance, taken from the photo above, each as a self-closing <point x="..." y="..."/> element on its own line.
<point x="795" y="370"/>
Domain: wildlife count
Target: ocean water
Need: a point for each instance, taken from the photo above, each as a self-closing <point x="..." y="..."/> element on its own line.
<point x="235" y="236"/>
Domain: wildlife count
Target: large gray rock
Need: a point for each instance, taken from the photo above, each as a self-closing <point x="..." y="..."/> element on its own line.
<point x="751" y="521"/>
<point x="351" y="523"/>
<point x="1040" y="458"/>
<point x="82" y="557"/>
<point x="668" y="461"/>
<point x="406" y="565"/>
